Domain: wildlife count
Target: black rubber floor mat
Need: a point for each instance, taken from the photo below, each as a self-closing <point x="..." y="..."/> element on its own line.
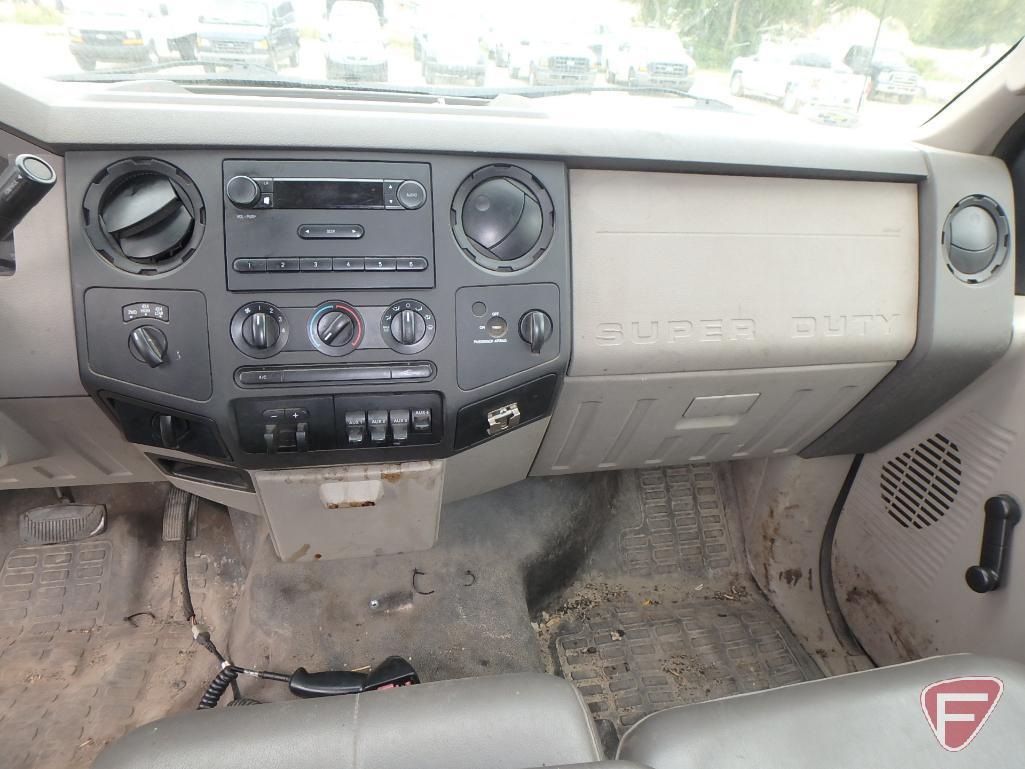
<point x="683" y="524"/>
<point x="666" y="613"/>
<point x="632" y="651"/>
<point x="92" y="639"/>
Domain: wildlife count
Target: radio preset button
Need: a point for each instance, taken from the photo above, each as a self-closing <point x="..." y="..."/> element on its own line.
<point x="331" y="231"/>
<point x="411" y="264"/>
<point x="383" y="264"/>
<point x="412" y="195"/>
<point x="250" y="265"/>
<point x="315" y="265"/>
<point x="342" y="264"/>
<point x="290" y="264"/>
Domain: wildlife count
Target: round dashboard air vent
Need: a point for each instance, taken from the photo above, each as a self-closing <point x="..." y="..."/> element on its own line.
<point x="503" y="218"/>
<point x="144" y="215"/>
<point x="976" y="238"/>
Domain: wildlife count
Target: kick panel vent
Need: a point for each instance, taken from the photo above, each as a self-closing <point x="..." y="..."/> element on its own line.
<point x="919" y="486"/>
<point x="144" y="215"/>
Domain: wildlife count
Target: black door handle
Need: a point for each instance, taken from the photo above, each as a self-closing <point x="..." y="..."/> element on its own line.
<point x="1002" y="514"/>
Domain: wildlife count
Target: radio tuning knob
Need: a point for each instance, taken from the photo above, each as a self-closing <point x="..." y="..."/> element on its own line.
<point x="242" y="191"/>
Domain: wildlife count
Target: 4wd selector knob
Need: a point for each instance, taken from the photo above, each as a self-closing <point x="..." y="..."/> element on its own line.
<point x="149" y="345"/>
<point x="335" y="328"/>
<point x="408" y="326"/>
<point x="242" y="191"/>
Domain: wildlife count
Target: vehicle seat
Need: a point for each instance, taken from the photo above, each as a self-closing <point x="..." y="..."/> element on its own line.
<point x="870" y="719"/>
<point x="498" y="722"/>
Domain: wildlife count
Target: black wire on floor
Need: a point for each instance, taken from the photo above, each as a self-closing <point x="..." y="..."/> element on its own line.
<point x="202" y="635"/>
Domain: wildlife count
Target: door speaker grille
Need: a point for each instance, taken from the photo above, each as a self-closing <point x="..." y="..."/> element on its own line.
<point x="919" y="486"/>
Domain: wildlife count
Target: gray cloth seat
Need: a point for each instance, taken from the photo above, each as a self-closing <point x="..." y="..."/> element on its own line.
<point x="869" y="719"/>
<point x="499" y="722"/>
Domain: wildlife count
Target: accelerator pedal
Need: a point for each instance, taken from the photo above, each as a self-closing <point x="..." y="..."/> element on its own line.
<point x="178" y="504"/>
<point x="61" y="523"/>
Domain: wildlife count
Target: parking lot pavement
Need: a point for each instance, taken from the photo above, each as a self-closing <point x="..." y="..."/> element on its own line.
<point x="43" y="51"/>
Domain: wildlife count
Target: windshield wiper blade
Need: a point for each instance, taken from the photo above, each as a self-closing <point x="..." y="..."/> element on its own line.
<point x="537" y="92"/>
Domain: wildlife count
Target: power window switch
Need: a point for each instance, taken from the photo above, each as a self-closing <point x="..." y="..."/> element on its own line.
<point x="421" y="420"/>
<point x="399" y="420"/>
<point x="355" y="427"/>
<point x="377" y="423"/>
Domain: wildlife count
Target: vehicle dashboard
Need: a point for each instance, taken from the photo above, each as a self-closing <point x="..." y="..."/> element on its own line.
<point x="432" y="279"/>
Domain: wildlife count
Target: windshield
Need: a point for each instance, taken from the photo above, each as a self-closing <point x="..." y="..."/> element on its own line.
<point x="882" y="65"/>
<point x="234" y="12"/>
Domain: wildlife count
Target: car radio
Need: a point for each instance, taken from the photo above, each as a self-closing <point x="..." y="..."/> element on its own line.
<point x="305" y="224"/>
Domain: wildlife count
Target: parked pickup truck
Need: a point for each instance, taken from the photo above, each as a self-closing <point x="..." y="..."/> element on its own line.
<point x="557" y="61"/>
<point x="650" y="57"/>
<point x="800" y="78"/>
<point x="888" y="71"/>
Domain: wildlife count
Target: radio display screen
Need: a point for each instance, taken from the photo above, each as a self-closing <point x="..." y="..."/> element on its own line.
<point x="328" y="193"/>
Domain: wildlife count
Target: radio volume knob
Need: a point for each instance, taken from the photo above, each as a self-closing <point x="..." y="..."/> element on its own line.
<point x="242" y="191"/>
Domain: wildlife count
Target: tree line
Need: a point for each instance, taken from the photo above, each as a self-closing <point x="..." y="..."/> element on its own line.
<point x="718" y="30"/>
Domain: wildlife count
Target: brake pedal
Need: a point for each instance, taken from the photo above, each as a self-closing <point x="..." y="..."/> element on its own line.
<point x="179" y="504"/>
<point x="62" y="523"/>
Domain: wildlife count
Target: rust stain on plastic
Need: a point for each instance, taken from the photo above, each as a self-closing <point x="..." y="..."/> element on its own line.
<point x="347" y="505"/>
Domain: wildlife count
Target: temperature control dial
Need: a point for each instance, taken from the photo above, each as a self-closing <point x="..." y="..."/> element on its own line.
<point x="336" y="328"/>
<point x="259" y="329"/>
<point x="408" y="326"/>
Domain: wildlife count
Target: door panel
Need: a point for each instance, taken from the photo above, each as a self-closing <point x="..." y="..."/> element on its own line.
<point x="913" y="522"/>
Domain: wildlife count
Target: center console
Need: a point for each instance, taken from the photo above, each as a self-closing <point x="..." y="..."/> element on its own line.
<point x="275" y="310"/>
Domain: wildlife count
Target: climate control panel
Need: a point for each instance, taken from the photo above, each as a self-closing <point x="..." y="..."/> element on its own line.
<point x="334" y="328"/>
